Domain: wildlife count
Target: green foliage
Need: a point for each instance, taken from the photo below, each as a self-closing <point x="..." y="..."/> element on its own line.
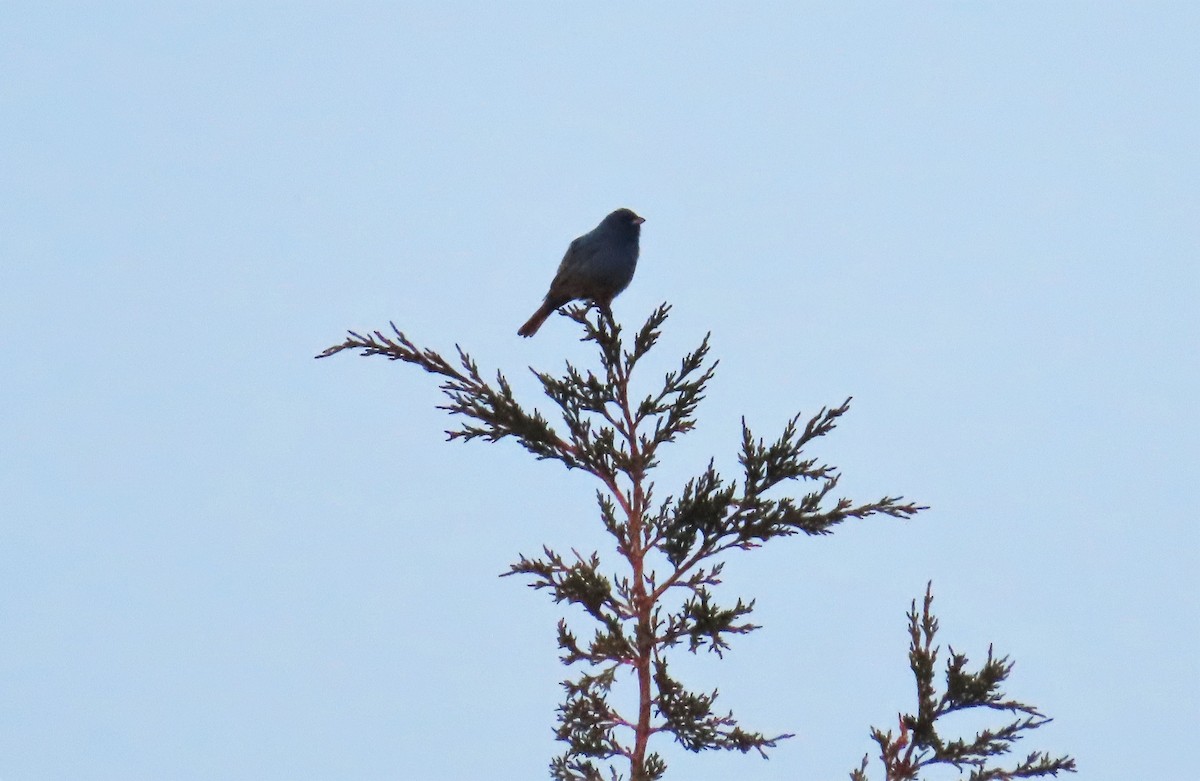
<point x="669" y="555"/>
<point x="919" y="744"/>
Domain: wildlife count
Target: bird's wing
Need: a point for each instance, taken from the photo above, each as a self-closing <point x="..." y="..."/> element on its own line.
<point x="572" y="271"/>
<point x="570" y="260"/>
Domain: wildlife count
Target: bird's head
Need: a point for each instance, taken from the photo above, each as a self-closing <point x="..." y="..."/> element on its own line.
<point x="626" y="217"/>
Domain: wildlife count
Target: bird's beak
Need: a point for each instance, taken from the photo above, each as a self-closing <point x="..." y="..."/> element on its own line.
<point x="638" y="220"/>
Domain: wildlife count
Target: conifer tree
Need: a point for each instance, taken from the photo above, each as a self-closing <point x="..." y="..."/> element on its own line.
<point x="656" y="594"/>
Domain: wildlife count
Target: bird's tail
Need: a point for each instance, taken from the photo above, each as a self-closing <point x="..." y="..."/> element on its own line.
<point x="534" y="323"/>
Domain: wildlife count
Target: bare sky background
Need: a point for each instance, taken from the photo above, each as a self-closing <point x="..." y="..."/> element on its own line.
<point x="220" y="559"/>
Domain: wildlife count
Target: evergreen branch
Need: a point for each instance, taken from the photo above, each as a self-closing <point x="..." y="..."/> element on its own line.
<point x="569" y="768"/>
<point x="690" y="718"/>
<point x="768" y="465"/>
<point x="579" y="583"/>
<point x="701" y="512"/>
<point x="605" y="333"/>
<point x="706" y="624"/>
<point x="710" y="517"/>
<point x="586" y="721"/>
<point x="675" y="405"/>
<point x="496" y="410"/>
<point x="919" y="744"/>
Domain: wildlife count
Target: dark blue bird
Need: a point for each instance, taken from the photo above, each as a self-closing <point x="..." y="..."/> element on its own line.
<point x="598" y="265"/>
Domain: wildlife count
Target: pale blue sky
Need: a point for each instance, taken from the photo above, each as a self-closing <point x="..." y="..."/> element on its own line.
<point x="220" y="559"/>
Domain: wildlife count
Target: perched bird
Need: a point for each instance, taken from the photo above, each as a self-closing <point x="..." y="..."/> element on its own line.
<point x="598" y="265"/>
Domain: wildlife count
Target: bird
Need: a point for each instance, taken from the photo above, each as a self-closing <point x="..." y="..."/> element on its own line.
<point x="597" y="266"/>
